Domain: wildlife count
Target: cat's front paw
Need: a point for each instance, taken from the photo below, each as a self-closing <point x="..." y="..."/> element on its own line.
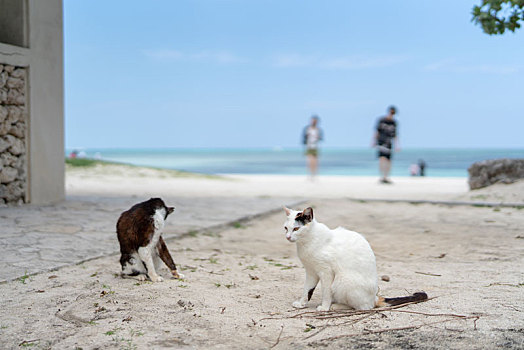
<point x="299" y="305"/>
<point x="177" y="274"/>
<point x="141" y="277"/>
<point x="156" y="278"/>
<point x="322" y="308"/>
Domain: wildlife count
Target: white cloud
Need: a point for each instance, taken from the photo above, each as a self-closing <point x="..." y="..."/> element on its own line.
<point x="354" y="62"/>
<point x="452" y="66"/>
<point x="222" y="57"/>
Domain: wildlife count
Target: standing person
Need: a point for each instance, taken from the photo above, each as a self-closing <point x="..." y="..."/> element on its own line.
<point x="311" y="135"/>
<point x="384" y="139"/>
<point x="422" y="167"/>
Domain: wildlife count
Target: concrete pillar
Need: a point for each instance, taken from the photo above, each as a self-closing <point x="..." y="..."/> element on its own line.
<point x="33" y="38"/>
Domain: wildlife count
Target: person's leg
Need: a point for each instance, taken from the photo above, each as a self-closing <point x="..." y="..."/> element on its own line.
<point x="309" y="158"/>
<point x="382" y="165"/>
<point x="387" y="168"/>
<point x="314" y="165"/>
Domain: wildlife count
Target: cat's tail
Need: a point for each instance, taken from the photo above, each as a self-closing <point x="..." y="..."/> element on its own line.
<point x="419" y="296"/>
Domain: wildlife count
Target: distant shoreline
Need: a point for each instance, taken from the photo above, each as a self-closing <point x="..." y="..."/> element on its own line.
<point x="179" y="172"/>
<point x="333" y="162"/>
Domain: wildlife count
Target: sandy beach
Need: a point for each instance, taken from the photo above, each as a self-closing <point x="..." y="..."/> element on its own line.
<point x="241" y="279"/>
<point x="118" y="180"/>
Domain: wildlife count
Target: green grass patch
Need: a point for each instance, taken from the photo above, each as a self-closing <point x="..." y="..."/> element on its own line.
<point x="212" y="234"/>
<point x="135" y="333"/>
<point x="192" y="233"/>
<point x="480" y="196"/>
<point x="81" y="162"/>
<point x="309" y="327"/>
<point x="72" y="163"/>
<point x="24" y="277"/>
<point x="282" y="266"/>
<point x="30" y="343"/>
<point x="238" y="225"/>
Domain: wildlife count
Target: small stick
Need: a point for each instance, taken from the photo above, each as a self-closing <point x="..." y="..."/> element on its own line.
<point x="341" y="313"/>
<point x="278" y="339"/>
<point x="25" y="342"/>
<point x="338" y="314"/>
<point x="502" y="284"/>
<point x="350" y="322"/>
<point x="390" y="329"/>
<point x="428" y="314"/>
<point x="428" y="274"/>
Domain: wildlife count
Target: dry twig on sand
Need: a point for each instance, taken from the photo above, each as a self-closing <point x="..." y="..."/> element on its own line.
<point x="278" y="339"/>
<point x="377" y="331"/>
<point x="322" y="315"/>
<point x="345" y="323"/>
<point x="341" y="314"/>
<point x="428" y="274"/>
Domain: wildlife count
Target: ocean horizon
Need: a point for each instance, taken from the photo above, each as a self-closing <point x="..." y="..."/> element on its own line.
<point x="291" y="161"/>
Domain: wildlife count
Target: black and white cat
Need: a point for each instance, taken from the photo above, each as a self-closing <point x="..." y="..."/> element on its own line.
<point x="341" y="260"/>
<point x="142" y="248"/>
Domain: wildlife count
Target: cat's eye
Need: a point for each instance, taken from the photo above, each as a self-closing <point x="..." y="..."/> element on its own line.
<point x="295" y="229"/>
<point x="286" y="229"/>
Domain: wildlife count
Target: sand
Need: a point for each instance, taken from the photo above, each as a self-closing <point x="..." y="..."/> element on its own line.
<point x="240" y="281"/>
<point x="498" y="193"/>
<point x="119" y="180"/>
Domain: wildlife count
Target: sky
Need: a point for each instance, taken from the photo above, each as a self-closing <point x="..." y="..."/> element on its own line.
<point x="250" y="73"/>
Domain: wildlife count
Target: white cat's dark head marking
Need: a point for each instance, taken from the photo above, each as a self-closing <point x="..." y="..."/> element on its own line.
<point x="296" y="221"/>
<point x="305" y="217"/>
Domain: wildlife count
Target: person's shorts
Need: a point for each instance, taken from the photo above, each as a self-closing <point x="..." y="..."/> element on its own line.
<point x="384" y="151"/>
<point x="312" y="152"/>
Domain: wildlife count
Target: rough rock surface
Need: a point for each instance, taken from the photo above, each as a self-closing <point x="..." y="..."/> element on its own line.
<point x="489" y="172"/>
<point x="13" y="130"/>
<point x="8" y="174"/>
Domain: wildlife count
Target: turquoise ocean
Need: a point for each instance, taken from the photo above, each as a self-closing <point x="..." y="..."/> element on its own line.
<point x="352" y="162"/>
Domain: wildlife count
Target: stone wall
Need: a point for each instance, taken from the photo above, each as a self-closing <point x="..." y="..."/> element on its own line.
<point x="13" y="135"/>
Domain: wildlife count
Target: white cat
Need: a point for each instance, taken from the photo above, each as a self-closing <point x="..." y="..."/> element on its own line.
<point x="341" y="260"/>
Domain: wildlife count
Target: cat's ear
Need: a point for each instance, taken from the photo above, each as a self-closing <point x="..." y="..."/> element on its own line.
<point x="307" y="214"/>
<point x="287" y="210"/>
